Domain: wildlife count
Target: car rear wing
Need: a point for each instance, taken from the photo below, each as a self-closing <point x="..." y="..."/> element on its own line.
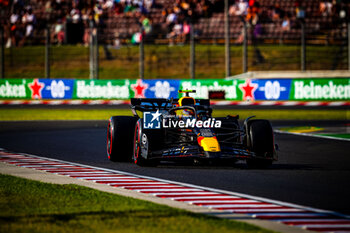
<point x="148" y="104"/>
<point x="154" y="104"/>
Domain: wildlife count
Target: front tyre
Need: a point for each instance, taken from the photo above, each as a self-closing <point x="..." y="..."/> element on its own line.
<point x="120" y="135"/>
<point x="260" y="140"/>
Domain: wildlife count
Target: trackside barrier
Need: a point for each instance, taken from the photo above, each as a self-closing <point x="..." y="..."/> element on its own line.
<point x="316" y="89"/>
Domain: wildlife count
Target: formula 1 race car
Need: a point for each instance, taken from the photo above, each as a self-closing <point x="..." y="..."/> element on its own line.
<point x="180" y="129"/>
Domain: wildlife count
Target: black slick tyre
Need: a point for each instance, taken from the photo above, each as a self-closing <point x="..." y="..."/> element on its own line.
<point x="260" y="141"/>
<point x="120" y="135"/>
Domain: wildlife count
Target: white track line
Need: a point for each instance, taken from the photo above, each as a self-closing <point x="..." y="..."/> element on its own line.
<point x="135" y="183"/>
<point x="165" y="190"/>
<point x="302" y="221"/>
<point x="182" y="193"/>
<point x="233" y="206"/>
<point x="147" y="188"/>
<point x="287" y="210"/>
<point x="289" y="215"/>
<point x="311" y="135"/>
<point x="222" y="202"/>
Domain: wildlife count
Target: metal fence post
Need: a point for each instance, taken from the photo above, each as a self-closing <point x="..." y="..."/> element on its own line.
<point x="227" y="40"/>
<point x="2" y="62"/>
<point x="192" y="53"/>
<point x="142" y="56"/>
<point x="91" y="50"/>
<point x="303" y="46"/>
<point x="96" y="52"/>
<point x="47" y="52"/>
<point x="245" y="48"/>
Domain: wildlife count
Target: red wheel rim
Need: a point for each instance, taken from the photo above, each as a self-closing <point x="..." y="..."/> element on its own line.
<point x="136" y="141"/>
<point x="109" y="140"/>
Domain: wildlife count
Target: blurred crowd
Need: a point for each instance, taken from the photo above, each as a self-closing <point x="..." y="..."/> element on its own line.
<point x="20" y="24"/>
<point x="254" y="15"/>
<point x="251" y="12"/>
<point x="70" y="20"/>
<point x="178" y="17"/>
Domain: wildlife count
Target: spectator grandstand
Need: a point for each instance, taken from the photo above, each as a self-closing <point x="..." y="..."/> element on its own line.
<point x="273" y="21"/>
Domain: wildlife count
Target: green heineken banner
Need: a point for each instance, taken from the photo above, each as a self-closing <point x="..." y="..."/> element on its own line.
<point x="230" y="87"/>
<point x="102" y="89"/>
<point x="320" y="89"/>
<point x="36" y="89"/>
<point x="237" y="89"/>
<point x="16" y="88"/>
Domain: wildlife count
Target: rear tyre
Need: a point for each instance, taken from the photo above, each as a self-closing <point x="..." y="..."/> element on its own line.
<point x="260" y="141"/>
<point x="120" y="135"/>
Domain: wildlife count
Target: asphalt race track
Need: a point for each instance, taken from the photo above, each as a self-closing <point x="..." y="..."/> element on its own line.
<point x="311" y="171"/>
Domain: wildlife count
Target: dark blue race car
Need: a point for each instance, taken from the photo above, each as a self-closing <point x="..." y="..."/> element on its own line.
<point x="183" y="129"/>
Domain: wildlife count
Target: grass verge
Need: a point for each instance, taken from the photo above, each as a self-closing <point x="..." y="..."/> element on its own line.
<point x="32" y="206"/>
<point x="20" y="114"/>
